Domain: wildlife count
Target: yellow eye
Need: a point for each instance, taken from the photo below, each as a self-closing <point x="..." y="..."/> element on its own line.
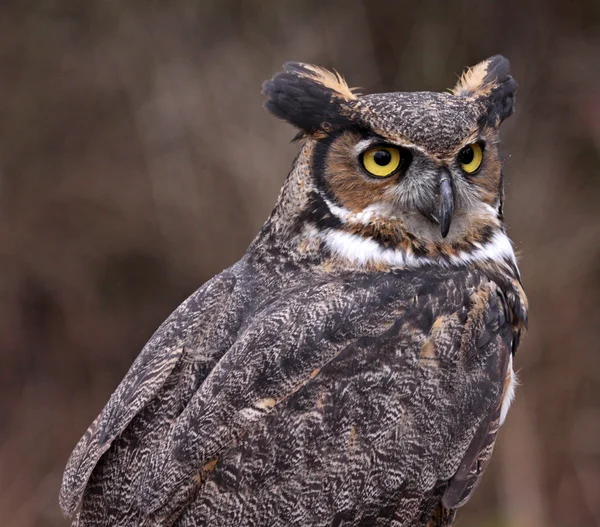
<point x="381" y="161"/>
<point x="470" y="158"/>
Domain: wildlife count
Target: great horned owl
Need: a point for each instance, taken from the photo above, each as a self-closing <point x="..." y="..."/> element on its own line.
<point x="354" y="366"/>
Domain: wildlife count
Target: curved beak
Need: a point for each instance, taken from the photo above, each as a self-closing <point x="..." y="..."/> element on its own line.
<point x="446" y="205"/>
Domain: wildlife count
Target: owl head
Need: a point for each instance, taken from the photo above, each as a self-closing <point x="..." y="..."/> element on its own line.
<point x="412" y="176"/>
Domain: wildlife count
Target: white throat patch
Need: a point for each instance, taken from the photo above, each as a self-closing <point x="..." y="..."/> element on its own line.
<point x="362" y="251"/>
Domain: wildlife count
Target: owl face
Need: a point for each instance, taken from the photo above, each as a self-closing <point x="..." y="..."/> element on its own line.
<point x="417" y="171"/>
<point x="389" y="173"/>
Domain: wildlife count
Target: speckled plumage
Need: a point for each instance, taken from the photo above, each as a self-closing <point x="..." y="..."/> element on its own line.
<point x="350" y="368"/>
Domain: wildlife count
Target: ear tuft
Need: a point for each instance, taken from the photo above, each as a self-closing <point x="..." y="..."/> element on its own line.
<point x="482" y="78"/>
<point x="329" y="79"/>
<point x="490" y="80"/>
<point x="311" y="98"/>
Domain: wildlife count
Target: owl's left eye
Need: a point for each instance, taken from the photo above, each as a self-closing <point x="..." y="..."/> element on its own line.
<point x="470" y="158"/>
<point x="381" y="161"/>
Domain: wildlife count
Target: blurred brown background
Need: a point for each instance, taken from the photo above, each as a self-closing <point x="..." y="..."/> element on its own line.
<point x="136" y="161"/>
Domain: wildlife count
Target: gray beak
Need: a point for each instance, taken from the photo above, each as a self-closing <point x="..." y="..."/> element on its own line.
<point x="446" y="206"/>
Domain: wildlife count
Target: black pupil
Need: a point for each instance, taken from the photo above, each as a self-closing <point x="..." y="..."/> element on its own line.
<point x="382" y="157"/>
<point x="466" y="155"/>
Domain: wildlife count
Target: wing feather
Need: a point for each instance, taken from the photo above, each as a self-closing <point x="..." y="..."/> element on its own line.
<point x="142" y="382"/>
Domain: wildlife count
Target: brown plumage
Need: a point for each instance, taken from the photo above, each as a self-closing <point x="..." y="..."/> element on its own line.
<point x="354" y="366"/>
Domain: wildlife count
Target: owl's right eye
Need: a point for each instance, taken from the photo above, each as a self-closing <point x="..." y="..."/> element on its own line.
<point x="381" y="161"/>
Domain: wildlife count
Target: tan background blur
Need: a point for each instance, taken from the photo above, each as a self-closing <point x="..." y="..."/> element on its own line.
<point x="136" y="161"/>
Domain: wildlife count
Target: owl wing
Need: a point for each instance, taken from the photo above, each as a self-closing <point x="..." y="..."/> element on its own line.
<point x="144" y="454"/>
<point x="142" y="382"/>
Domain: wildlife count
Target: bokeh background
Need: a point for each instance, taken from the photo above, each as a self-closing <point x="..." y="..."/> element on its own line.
<point x="136" y="161"/>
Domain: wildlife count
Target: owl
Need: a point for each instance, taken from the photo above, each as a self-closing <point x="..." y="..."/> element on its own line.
<point x="353" y="368"/>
